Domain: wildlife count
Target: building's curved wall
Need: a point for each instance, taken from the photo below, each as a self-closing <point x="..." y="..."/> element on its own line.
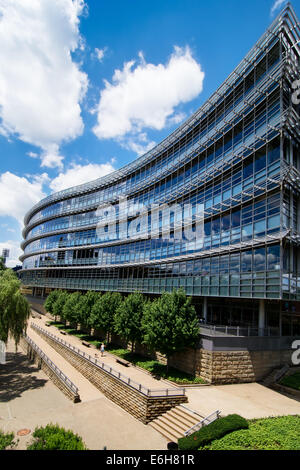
<point x="228" y="158"/>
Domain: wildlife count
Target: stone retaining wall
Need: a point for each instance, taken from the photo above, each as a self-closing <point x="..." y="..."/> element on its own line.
<point x="221" y="367"/>
<point x="140" y="406"/>
<point x="34" y="357"/>
<point x="227" y="367"/>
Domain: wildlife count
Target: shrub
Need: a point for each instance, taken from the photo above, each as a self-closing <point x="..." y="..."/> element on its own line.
<point x="6" y="440"/>
<point x="155" y="368"/>
<point x="292" y="381"/>
<point x="52" y="437"/>
<point x="276" y="433"/>
<point x="215" y="430"/>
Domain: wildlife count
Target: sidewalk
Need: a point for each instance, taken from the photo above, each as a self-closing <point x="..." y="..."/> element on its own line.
<point x="29" y="399"/>
<point x="87" y="391"/>
<point x="133" y="372"/>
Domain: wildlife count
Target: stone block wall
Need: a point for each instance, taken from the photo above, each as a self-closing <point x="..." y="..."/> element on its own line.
<point x="140" y="406"/>
<point x="34" y="357"/>
<point x="228" y="367"/>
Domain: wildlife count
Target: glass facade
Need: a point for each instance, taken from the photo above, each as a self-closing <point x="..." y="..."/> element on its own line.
<point x="237" y="158"/>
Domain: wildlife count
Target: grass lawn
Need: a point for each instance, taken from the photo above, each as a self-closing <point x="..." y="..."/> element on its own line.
<point x="292" y="381"/>
<point x="155" y="367"/>
<point x="6" y="440"/>
<point x="79" y="334"/>
<point x="280" y="433"/>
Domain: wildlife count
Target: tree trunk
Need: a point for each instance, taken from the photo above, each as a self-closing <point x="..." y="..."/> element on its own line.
<point x="168" y="365"/>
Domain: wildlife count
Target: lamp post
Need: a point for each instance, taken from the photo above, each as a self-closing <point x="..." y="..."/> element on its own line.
<point x="5" y="254"/>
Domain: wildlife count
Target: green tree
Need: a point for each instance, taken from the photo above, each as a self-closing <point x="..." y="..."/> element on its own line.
<point x="14" y="307"/>
<point x="70" y="308"/>
<point x="49" y="302"/>
<point x="128" y="318"/>
<point x="170" y="323"/>
<point x="104" y="310"/>
<point x="85" y="306"/>
<point x="2" y="264"/>
<point x="58" y="305"/>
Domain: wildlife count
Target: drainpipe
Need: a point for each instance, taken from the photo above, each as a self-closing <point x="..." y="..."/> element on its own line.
<point x="261" y="317"/>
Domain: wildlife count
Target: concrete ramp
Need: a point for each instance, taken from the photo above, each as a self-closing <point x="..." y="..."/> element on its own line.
<point x="87" y="390"/>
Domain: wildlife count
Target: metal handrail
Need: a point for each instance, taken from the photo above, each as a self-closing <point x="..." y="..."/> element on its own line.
<point x="245" y="331"/>
<point x="190" y="410"/>
<point x="210" y="418"/>
<point x="116" y="374"/>
<point x="51" y="364"/>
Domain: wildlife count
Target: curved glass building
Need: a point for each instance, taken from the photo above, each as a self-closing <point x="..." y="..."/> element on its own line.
<point x="234" y="170"/>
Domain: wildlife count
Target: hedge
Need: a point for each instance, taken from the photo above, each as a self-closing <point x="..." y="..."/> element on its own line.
<point x="53" y="437"/>
<point x="212" y="431"/>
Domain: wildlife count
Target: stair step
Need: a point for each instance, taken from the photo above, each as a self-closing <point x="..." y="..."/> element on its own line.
<point x="166" y="421"/>
<point x="173" y="424"/>
<point x="189" y="413"/>
<point x="167" y="434"/>
<point x="187" y="416"/>
<point x="193" y="419"/>
<point x="182" y="421"/>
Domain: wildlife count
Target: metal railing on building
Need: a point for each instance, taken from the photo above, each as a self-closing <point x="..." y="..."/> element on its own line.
<point x="222" y="330"/>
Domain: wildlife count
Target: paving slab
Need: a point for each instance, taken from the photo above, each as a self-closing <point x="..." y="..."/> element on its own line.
<point x="87" y="391"/>
<point x="251" y="400"/>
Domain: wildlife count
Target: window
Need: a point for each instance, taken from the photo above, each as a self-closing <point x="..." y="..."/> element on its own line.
<point x="260" y="228"/>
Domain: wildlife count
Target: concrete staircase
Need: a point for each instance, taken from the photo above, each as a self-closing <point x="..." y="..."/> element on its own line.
<point x="275" y="375"/>
<point x="175" y="422"/>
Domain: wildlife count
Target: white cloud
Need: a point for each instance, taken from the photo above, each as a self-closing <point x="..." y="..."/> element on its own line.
<point x="19" y="194"/>
<point x="145" y="95"/>
<point x="40" y="86"/>
<point x="138" y="144"/>
<point x="32" y="154"/>
<point x="79" y="174"/>
<point x="277" y="4"/>
<point x="100" y="53"/>
<point x="14" y="252"/>
<point x="51" y="158"/>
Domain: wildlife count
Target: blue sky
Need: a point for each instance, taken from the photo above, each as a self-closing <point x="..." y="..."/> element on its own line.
<point x="86" y="87"/>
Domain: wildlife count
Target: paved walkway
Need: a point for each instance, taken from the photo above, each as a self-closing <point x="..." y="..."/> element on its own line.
<point x="249" y="400"/>
<point x="133" y="372"/>
<point x="29" y="399"/>
<point x="87" y="391"/>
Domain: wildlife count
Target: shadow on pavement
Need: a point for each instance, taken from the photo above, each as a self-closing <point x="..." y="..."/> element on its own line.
<point x="16" y="377"/>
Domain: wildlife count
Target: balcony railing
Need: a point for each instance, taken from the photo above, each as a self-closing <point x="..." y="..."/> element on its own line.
<point x="221" y="330"/>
